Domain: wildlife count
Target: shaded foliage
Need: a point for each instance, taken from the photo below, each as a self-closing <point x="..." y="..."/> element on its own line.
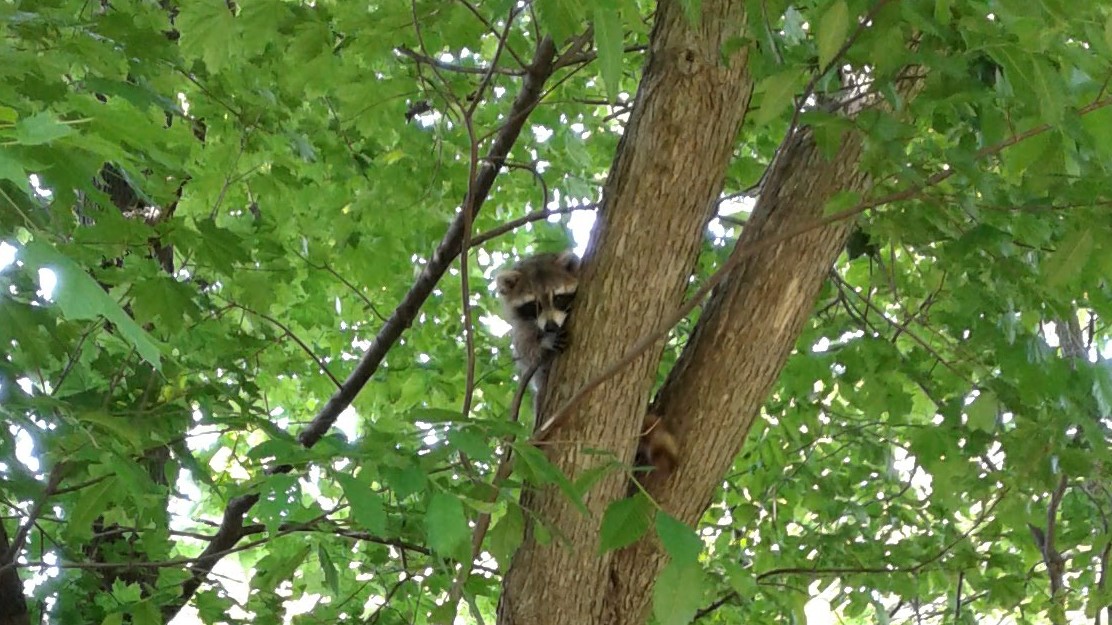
<point x="936" y="448"/>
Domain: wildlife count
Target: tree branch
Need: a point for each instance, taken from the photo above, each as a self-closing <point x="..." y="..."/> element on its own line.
<point x="231" y="527"/>
<point x="52" y="483"/>
<point x="446" y="251"/>
<point x="453" y="67"/>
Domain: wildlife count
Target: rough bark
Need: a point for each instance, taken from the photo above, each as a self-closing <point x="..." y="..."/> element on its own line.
<point x="747" y="330"/>
<point x="13" y="607"/>
<point x="665" y="178"/>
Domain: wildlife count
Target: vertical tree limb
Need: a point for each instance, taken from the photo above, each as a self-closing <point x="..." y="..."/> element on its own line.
<point x="751" y="321"/>
<point x="661" y="191"/>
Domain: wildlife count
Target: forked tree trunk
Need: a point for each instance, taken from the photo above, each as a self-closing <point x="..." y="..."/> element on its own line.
<point x="661" y="191"/>
<point x="747" y="330"/>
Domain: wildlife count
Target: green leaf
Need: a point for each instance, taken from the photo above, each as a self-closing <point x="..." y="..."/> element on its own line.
<point x="331" y="576"/>
<point x="624" y="522"/>
<point x="680" y="541"/>
<point x="146" y="613"/>
<point x="471" y="443"/>
<point x="1102" y="389"/>
<point x="778" y="94"/>
<point x="833" y="28"/>
<point x="165" y="301"/>
<point x="366" y="505"/>
<point x="222" y="247"/>
<point x="41" y="128"/>
<point x="91" y="503"/>
<point x="840" y="202"/>
<point x="1108" y="31"/>
<point x="982" y="412"/>
<point x="1029" y="72"/>
<point x="446" y="524"/>
<point x="123" y="428"/>
<point x="125" y="592"/>
<point x="208" y="31"/>
<point x="541" y="471"/>
<point x="1098" y="123"/>
<point x="678" y="593"/>
<point x="609" y="41"/>
<point x="80" y="297"/>
<point x="506" y="535"/>
<point x="1066" y="262"/>
<point x="561" y="18"/>
<point x="404" y="481"/>
<point x="277" y="567"/>
<point x="942" y="11"/>
<point x="11" y="169"/>
<point x="742" y="581"/>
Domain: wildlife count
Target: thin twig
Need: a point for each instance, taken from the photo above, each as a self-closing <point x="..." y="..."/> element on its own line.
<point x="290" y="333"/>
<point x="72" y="360"/>
<point x="513" y="224"/>
<point x="532" y="168"/>
<point x="325" y="267"/>
<point x="501" y="474"/>
<point x="452" y="67"/>
<point x="490" y="26"/>
<point x="52" y="483"/>
<point x="468" y="210"/>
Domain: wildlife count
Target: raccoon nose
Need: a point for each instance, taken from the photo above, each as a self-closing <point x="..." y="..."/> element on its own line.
<point x="551" y="326"/>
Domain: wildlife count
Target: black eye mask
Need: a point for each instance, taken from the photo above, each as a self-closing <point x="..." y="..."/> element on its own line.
<point x="527" y="311"/>
<point x="563" y="301"/>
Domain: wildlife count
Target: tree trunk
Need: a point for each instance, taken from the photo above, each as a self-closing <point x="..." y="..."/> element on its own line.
<point x="13" y="607"/>
<point x="684" y="124"/>
<point x="660" y="194"/>
<point x="747" y="330"/>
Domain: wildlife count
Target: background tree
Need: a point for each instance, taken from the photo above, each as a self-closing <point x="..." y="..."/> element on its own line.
<point x="251" y="376"/>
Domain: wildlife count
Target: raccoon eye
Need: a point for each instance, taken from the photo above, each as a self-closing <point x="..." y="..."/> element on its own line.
<point x="527" y="311"/>
<point x="563" y="301"/>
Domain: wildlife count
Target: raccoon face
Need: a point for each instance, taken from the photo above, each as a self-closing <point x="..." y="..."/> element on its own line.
<point x="539" y="290"/>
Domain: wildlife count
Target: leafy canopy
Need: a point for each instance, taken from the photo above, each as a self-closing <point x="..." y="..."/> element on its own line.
<point x="304" y="159"/>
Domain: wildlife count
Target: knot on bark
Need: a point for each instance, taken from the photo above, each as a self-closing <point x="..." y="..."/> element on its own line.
<point x="687" y="60"/>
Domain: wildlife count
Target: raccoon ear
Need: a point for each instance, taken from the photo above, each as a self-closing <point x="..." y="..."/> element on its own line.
<point x="569" y="261"/>
<point x="507" y="280"/>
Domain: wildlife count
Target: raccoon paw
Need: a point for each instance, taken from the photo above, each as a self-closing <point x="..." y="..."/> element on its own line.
<point x="555" y="341"/>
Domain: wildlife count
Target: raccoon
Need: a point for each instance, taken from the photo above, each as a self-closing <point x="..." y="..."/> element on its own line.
<point x="537" y="294"/>
<point x="658" y="447"/>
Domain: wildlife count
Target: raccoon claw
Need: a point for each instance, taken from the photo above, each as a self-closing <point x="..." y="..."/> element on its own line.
<point x="559" y="342"/>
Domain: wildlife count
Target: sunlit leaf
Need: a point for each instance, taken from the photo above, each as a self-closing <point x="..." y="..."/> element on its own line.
<point x="446" y="524"/>
<point x="609" y="40"/>
<point x="833" y="28"/>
